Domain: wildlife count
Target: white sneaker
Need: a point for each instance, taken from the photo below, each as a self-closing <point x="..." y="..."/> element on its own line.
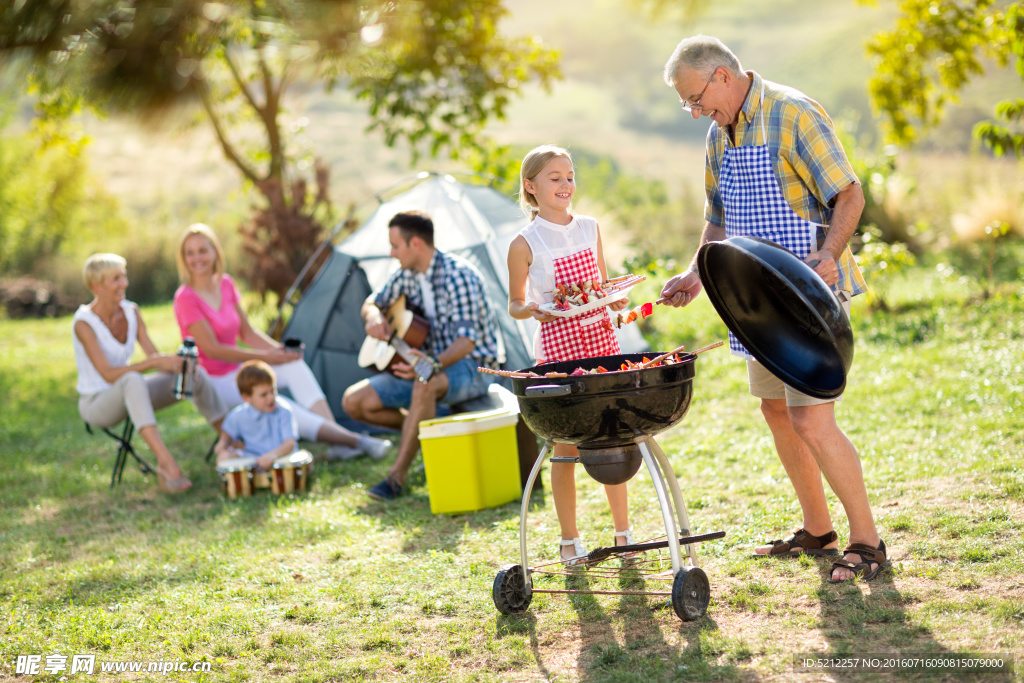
<point x="375" y="448"/>
<point x="340" y="452"/>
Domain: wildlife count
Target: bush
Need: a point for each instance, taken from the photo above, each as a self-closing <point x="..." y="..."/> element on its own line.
<point x="997" y="260"/>
<point x="881" y="262"/>
<point x="49" y="204"/>
<point x="54" y="215"/>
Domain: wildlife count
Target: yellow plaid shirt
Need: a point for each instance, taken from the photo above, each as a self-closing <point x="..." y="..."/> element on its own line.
<point x="807" y="157"/>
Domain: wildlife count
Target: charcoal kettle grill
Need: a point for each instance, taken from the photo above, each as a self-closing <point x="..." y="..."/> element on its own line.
<point x="612" y="418"/>
<point x="782" y="312"/>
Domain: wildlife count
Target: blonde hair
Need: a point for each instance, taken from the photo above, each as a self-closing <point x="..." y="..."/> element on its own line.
<point x="98" y="266"/>
<point x="534" y="162"/>
<point x="252" y="374"/>
<point x="703" y="54"/>
<point x="219" y="267"/>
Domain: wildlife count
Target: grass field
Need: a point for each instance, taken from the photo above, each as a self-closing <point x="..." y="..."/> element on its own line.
<point x="332" y="586"/>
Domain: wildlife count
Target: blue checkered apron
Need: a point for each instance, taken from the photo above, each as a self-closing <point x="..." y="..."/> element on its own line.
<point x="755" y="206"/>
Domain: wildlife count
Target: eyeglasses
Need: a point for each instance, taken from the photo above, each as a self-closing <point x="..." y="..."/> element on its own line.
<point x="696" y="105"/>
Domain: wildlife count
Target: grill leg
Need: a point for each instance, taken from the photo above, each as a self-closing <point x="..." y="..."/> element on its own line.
<point x="677" y="498"/>
<point x="527" y="581"/>
<point x="666" y="508"/>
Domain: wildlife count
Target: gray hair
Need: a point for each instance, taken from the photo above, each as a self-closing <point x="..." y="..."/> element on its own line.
<point x="703" y="54"/>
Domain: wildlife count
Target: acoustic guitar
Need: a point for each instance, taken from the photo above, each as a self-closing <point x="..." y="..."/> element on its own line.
<point x="408" y="331"/>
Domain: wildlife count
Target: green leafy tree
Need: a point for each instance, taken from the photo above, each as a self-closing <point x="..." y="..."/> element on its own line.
<point x="935" y="48"/>
<point x="48" y="200"/>
<point x="432" y="72"/>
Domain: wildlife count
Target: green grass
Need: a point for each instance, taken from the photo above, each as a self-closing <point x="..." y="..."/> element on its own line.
<point x="332" y="586"/>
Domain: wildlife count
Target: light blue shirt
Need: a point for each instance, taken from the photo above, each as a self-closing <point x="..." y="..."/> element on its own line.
<point x="261" y="432"/>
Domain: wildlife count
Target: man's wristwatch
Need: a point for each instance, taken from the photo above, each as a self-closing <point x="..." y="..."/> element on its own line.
<point x="437" y="366"/>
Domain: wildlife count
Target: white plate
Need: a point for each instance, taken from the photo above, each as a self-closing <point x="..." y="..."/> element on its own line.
<point x="587" y="307"/>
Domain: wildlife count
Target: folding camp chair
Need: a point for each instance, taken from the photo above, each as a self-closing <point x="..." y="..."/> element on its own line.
<point x="124" y="447"/>
<point x="209" y="453"/>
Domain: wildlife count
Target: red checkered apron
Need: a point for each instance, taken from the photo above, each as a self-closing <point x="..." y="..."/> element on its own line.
<point x="581" y="336"/>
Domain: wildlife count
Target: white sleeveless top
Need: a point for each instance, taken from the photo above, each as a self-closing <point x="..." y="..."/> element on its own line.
<point x="90" y="381"/>
<point x="549" y="241"/>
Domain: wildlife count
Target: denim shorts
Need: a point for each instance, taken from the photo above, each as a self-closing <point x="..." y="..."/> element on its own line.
<point x="464" y="383"/>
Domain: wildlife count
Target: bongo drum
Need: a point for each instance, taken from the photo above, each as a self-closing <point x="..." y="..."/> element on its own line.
<point x="236" y="477"/>
<point x="260" y="479"/>
<point x="291" y="473"/>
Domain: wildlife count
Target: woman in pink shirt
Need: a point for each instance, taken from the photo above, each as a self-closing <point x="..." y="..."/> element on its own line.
<point x="208" y="308"/>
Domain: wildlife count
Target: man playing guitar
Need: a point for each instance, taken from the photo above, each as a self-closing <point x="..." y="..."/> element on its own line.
<point x="463" y="335"/>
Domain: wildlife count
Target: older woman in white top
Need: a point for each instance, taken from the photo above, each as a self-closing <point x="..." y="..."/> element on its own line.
<point x="110" y="386"/>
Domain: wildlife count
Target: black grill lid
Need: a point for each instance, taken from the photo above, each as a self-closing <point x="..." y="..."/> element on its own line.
<point x="781" y="311"/>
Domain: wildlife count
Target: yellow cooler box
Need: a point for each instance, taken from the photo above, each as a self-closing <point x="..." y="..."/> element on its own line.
<point x="471" y="460"/>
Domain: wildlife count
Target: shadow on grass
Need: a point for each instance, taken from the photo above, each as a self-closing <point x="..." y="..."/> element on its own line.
<point x="869" y="620"/>
<point x="512" y="624"/>
<point x="643" y="655"/>
<point x="57" y="503"/>
<point x="424" y="531"/>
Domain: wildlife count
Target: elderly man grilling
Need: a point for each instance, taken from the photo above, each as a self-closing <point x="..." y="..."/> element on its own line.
<point x="775" y="169"/>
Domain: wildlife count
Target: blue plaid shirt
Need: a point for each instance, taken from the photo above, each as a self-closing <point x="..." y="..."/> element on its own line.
<point x="460" y="300"/>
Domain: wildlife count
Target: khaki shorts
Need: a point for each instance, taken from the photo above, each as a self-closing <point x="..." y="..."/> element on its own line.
<point x="764" y="384"/>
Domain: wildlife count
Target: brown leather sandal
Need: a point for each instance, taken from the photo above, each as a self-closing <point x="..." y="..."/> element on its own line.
<point x="802" y="543"/>
<point x="862" y="569"/>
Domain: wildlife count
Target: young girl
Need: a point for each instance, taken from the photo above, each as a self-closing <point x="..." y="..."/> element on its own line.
<point x="562" y="247"/>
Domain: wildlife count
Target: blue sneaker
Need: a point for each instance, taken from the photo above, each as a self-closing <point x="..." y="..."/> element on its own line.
<point x="386" y="490"/>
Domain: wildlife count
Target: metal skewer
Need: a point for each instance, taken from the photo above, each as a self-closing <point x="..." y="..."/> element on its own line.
<point x="658" y="359"/>
<point x="709" y="347"/>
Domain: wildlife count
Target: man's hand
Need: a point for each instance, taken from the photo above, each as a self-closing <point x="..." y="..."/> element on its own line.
<point x="825" y="267"/>
<point x="403" y="370"/>
<point x="434" y="362"/>
<point x="681" y="289"/>
<point x="378" y="329"/>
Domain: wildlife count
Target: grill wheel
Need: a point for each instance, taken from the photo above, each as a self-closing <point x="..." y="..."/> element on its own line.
<point x="509" y="591"/>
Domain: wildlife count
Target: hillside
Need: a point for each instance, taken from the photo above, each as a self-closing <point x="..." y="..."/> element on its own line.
<point x="612" y="101"/>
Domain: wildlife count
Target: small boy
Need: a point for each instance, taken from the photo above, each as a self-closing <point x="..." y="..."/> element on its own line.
<point x="263" y="427"/>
